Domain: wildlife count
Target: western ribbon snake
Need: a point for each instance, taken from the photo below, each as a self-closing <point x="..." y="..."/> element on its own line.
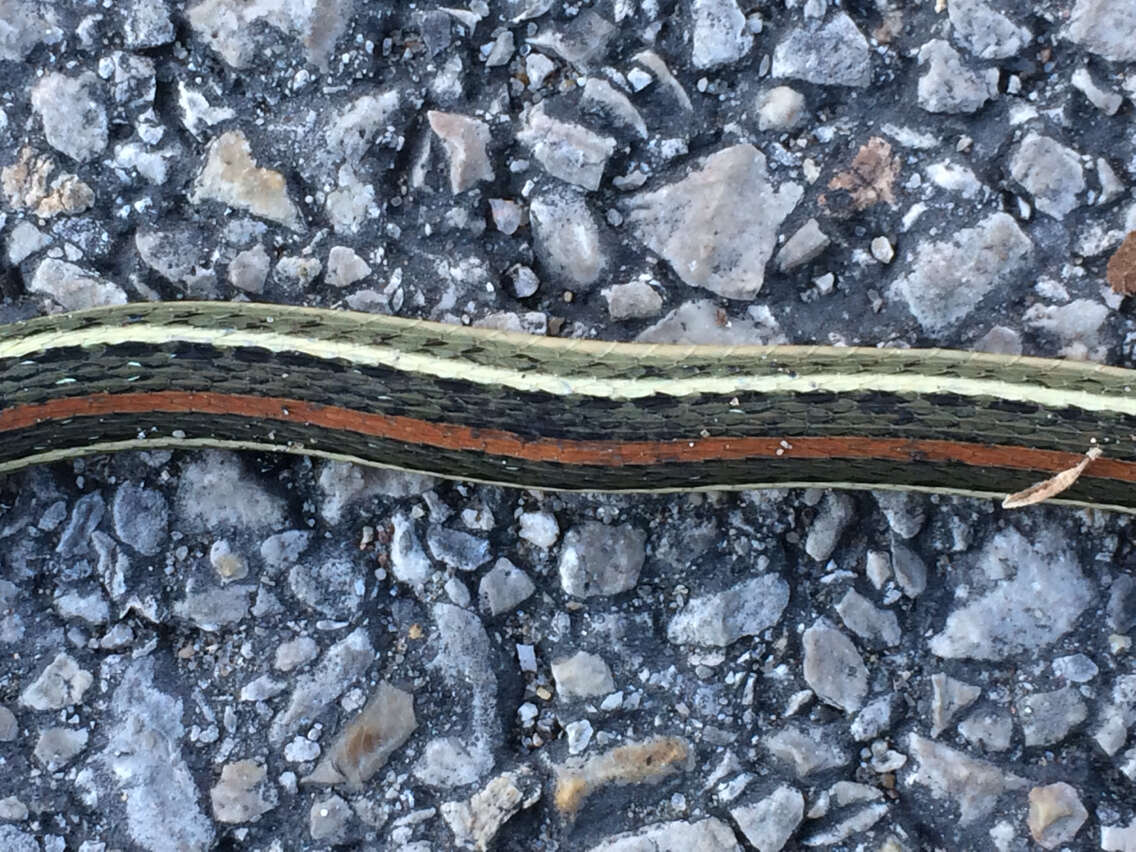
<point x="548" y="413"/>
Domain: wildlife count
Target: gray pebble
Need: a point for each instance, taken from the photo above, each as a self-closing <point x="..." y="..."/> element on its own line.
<point x="597" y="559"/>
<point x="833" y="667"/>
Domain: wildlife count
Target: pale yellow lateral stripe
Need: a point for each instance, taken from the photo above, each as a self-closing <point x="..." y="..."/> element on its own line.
<point x="169" y="442"/>
<point x="429" y="365"/>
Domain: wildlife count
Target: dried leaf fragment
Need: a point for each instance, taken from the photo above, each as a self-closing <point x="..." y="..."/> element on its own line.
<point x="871" y="178"/>
<point x="1042" y="491"/>
<point x="1121" y="270"/>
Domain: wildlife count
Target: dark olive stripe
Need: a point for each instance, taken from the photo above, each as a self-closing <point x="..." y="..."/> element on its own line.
<point x="574" y="358"/>
<point x="196" y="367"/>
<point x="79" y="432"/>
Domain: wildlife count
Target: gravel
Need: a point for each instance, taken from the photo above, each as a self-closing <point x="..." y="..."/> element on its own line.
<point x="212" y="650"/>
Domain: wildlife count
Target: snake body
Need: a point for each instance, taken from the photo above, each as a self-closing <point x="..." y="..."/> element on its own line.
<point x="549" y="413"/>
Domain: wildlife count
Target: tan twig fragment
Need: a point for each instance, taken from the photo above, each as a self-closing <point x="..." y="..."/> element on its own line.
<point x="1042" y="491"/>
<point x="636" y="763"/>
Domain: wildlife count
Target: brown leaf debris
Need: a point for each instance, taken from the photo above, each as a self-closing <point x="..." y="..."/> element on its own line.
<point x="871" y="178"/>
<point x="1121" y="271"/>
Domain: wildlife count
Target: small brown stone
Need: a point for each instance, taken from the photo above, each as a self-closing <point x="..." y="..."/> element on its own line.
<point x="1121" y="271"/>
<point x="1055" y="814"/>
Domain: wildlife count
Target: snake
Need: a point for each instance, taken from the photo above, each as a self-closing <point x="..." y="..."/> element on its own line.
<point x="553" y="413"/>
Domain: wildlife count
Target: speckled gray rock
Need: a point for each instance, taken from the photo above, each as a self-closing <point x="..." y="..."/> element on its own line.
<point x="905" y="511"/>
<point x="831" y="53"/>
<point x="343" y="662"/>
<point x="61" y="684"/>
<point x="567" y="236"/>
<point x="875" y="626"/>
<point x="949" y="697"/>
<point x="567" y="151"/>
<point x="457" y="549"/>
<point x="1050" y="172"/>
<point x="582" y="675"/>
<point x="835" y="514"/>
<point x="717" y="227"/>
<point x="9" y="726"/>
<point x="14" y="840"/>
<point x="464" y="139"/>
<point x="947" y="85"/>
<point x="1105" y="28"/>
<point x="74" y="288"/>
<point x="231" y="27"/>
<point x="948" y="278"/>
<point x="1048" y="717"/>
<point x="974" y="785"/>
<point x="718" y="33"/>
<point x="503" y="588"/>
<point x="833" y="667"/>
<point x="1122" y="603"/>
<point x="215" y="493"/>
<point x="768" y="824"/>
<point x="909" y="568"/>
<point x="1038" y="605"/>
<point x="807" y="243"/>
<point x="73" y="116"/>
<point x="707" y="835"/>
<point x="805" y="751"/>
<point x="721" y="619"/>
<point x="141" y="517"/>
<point x="980" y="27"/>
<point x="988" y="729"/>
<point x="332" y="585"/>
<point x="144" y="758"/>
<point x="596" y="559"/>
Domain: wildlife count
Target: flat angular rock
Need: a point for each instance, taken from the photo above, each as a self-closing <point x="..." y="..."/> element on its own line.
<point x="465" y="139"/>
<point x="1050" y="172"/>
<point x="717" y="227"/>
<point x="232" y="177"/>
<point x="806" y="751"/>
<point x="74" y="119"/>
<point x="368" y="740"/>
<point x="1104" y="27"/>
<point x="567" y="151"/>
<point x="832" y="53"/>
<point x="948" y="278"/>
<point x="241" y="795"/>
<point x="708" y="835"/>
<point x="1038" y="605"/>
<point x="769" y="823"/>
<point x="981" y="28"/>
<point x="947" y="85"/>
<point x="582" y="675"/>
<point x="568" y="240"/>
<point x="833" y="667"/>
<point x="974" y="785"/>
<point x="1055" y="815"/>
<point x="596" y="559"/>
<point x="1048" y="717"/>
<point x="475" y="822"/>
<point x="721" y="619"/>
<point x="61" y="684"/>
<point x="719" y="35"/>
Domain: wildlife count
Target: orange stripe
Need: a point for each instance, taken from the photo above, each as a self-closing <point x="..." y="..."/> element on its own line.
<point x="602" y="453"/>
